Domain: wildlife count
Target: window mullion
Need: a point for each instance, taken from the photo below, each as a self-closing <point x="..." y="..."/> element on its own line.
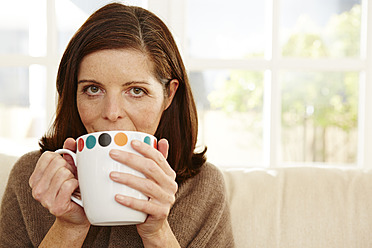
<point x="272" y="102"/>
<point x="52" y="60"/>
<point x="365" y="92"/>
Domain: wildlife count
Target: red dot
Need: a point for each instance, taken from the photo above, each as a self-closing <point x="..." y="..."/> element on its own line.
<point x="155" y="144"/>
<point x="80" y="144"/>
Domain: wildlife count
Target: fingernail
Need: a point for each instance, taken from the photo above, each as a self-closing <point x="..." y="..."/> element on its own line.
<point x="136" y="143"/>
<point x="114" y="153"/>
<point x="114" y="175"/>
<point x="120" y="198"/>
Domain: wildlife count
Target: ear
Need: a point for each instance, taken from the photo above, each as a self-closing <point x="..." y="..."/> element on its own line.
<point x="173" y="86"/>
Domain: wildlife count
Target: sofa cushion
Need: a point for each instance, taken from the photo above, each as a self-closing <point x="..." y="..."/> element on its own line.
<point x="291" y="207"/>
<point x="301" y="207"/>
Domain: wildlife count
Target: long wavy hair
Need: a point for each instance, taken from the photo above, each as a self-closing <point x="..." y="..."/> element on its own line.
<point x="117" y="26"/>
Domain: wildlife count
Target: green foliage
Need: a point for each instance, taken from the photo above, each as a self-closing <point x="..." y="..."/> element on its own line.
<point x="304" y="45"/>
<point x="340" y="38"/>
<point x="344" y="33"/>
<point x="331" y="97"/>
<point x="242" y="92"/>
<point x="328" y="99"/>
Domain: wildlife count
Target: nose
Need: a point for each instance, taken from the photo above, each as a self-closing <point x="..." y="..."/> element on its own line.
<point x="113" y="109"/>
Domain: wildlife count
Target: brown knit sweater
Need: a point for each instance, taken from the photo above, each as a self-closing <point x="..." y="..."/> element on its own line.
<point x="199" y="218"/>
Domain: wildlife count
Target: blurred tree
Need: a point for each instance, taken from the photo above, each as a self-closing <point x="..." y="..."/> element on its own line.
<point x="242" y="92"/>
<point x="322" y="100"/>
<point x="343" y="33"/>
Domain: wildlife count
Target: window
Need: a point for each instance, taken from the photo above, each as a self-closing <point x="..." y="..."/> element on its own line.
<point x="274" y="85"/>
<point x="22" y="74"/>
<point x="284" y="85"/>
<point x="33" y="39"/>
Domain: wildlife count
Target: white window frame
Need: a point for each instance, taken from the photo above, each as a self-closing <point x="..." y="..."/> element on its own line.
<point x="174" y="14"/>
<point x="50" y="60"/>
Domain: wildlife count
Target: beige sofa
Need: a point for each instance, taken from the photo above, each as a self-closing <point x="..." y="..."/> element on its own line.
<point x="292" y="207"/>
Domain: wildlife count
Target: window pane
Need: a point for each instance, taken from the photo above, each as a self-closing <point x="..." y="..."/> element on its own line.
<point x="23" y="27"/>
<point x="69" y="18"/>
<point x="14" y="86"/>
<point x="320" y="28"/>
<point x="71" y="14"/>
<point x="235" y="30"/>
<point x="22" y="108"/>
<point x="230" y="115"/>
<point x="319" y="117"/>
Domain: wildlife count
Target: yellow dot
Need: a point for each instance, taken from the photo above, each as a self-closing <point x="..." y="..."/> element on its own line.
<point x="121" y="139"/>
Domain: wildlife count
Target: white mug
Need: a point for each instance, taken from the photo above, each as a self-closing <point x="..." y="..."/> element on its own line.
<point x="93" y="169"/>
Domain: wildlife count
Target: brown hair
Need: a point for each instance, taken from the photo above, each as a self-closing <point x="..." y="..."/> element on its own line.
<point x="116" y="26"/>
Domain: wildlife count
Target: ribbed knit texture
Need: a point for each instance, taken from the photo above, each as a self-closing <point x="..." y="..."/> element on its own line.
<point x="199" y="218"/>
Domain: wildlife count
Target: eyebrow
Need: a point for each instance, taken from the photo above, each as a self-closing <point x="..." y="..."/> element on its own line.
<point x="124" y="84"/>
<point x="136" y="82"/>
<point x="88" y="81"/>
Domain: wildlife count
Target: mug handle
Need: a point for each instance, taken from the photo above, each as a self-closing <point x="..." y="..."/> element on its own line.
<point x="73" y="155"/>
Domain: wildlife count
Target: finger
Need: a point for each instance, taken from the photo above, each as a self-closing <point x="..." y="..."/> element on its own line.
<point x="70" y="144"/>
<point x="155" y="155"/>
<point x="41" y="165"/>
<point x="149" y="207"/>
<point x="144" y="165"/>
<point x="60" y="177"/>
<point x="63" y="201"/>
<point x="146" y="186"/>
<point x="163" y="147"/>
<point x="43" y="184"/>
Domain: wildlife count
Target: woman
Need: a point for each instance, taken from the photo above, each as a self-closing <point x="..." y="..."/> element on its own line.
<point x="121" y="71"/>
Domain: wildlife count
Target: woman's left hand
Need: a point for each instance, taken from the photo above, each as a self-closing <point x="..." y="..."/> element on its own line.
<point x="159" y="185"/>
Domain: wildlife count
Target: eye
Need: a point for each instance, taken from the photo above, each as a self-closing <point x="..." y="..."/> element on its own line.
<point x="137" y="92"/>
<point x="92" y="90"/>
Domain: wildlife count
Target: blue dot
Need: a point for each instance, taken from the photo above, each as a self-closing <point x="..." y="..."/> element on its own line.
<point x="147" y="140"/>
<point x="91" y="142"/>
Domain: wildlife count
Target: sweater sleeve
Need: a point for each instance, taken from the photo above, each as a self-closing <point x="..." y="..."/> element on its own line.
<point x="23" y="221"/>
<point x="200" y="216"/>
<point x="12" y="226"/>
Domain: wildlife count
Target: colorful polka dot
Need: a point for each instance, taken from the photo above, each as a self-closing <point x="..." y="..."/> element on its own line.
<point x="80" y="145"/>
<point x="147" y="140"/>
<point x="91" y="142"/>
<point x="104" y="139"/>
<point x="121" y="139"/>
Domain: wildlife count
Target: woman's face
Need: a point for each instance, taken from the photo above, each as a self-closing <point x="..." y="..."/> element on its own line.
<point x="118" y="91"/>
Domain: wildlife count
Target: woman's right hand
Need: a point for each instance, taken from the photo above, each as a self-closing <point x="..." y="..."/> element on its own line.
<point x="53" y="182"/>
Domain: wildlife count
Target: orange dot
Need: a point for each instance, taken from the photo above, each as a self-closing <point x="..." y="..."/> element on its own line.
<point x="121" y="139"/>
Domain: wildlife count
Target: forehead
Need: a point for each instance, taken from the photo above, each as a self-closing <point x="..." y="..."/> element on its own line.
<point x="130" y="62"/>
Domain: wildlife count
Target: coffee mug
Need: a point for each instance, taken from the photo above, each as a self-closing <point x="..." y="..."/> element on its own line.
<point x="94" y="165"/>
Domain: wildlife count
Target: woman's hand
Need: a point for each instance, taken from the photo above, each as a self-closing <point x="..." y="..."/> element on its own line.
<point x="53" y="182"/>
<point x="159" y="185"/>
